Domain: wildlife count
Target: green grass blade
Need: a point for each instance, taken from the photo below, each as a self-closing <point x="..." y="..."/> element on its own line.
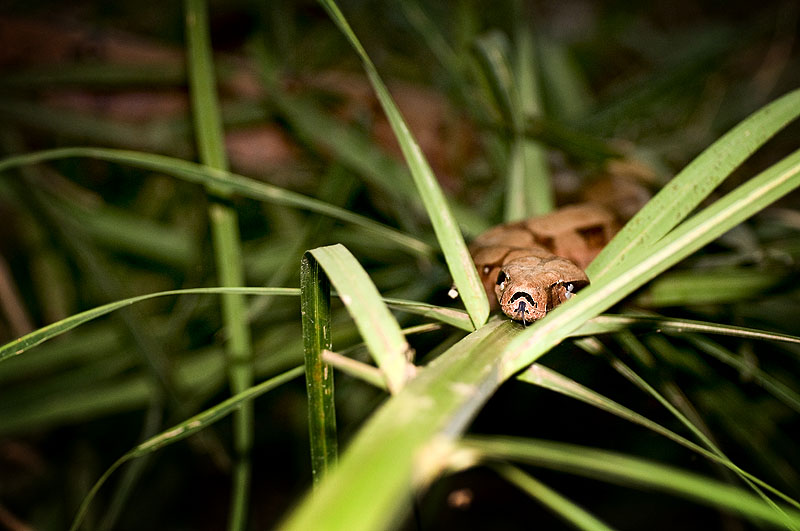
<point x="560" y="505"/>
<point x="451" y="316"/>
<point x="493" y="51"/>
<point x="773" y="386"/>
<point x="403" y="445"/>
<point x="356" y="150"/>
<point x="377" y="326"/>
<point x="714" y="286"/>
<point x="465" y="276"/>
<point x="569" y="95"/>
<point x="606" y="324"/>
<point x="675" y="401"/>
<point x="538" y="187"/>
<point x="315" y="307"/>
<point x="356" y="369"/>
<point x="546" y="378"/>
<point x="215" y="178"/>
<point x="695" y="182"/>
<point x="727" y="212"/>
<point x="28" y="341"/>
<point x="185" y="429"/>
<point x="626" y="470"/>
<point x="387" y="446"/>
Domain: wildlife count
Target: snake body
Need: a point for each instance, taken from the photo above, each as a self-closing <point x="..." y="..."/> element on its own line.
<point x="530" y="267"/>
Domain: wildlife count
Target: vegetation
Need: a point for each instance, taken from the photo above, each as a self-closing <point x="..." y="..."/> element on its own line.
<point x="298" y="203"/>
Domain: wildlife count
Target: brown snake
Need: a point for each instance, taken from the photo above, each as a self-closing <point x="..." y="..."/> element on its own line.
<point x="530" y="267"/>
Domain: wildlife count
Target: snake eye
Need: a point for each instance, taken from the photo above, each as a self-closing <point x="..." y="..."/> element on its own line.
<point x="501" y="278"/>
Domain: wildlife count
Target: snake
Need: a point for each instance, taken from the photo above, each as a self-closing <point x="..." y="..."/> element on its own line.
<point x="530" y="267"/>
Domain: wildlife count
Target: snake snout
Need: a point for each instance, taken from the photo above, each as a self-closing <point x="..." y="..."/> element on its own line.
<point x="522" y="306"/>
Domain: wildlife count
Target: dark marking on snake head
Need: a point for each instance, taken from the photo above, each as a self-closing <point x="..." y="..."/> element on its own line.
<point x="522" y="295"/>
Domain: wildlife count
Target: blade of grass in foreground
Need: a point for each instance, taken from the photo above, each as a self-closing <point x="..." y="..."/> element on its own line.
<point x="626" y="470"/>
<point x="233" y="183"/>
<point x="315" y="310"/>
<point x="713" y="221"/>
<point x="13" y="348"/>
<point x="404" y="444"/>
<point x="377" y="326"/>
<point x="403" y="447"/>
<point x="693" y="184"/>
<point x="465" y="276"/>
<point x="606" y="324"/>
<point x="546" y="378"/>
<point x="185" y="429"/>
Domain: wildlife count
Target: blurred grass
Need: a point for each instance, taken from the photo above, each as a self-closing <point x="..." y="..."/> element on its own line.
<point x="613" y="83"/>
<point x="227" y="249"/>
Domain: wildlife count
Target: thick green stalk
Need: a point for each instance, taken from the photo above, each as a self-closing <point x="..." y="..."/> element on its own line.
<point x="227" y="249"/>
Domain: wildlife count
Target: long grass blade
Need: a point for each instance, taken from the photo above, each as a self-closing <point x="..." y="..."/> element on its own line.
<point x="694" y="183"/>
<point x="546" y="378"/>
<point x="404" y="444"/>
<point x="315" y="308"/>
<point x="451" y="316"/>
<point x="556" y="502"/>
<point x="233" y="183"/>
<point x="770" y="384"/>
<point x="185" y="429"/>
<point x="626" y="470"/>
<point x="606" y="324"/>
<point x="465" y="276"/>
<point x="28" y="341"/>
<point x="690" y="236"/>
<point x="377" y="326"/>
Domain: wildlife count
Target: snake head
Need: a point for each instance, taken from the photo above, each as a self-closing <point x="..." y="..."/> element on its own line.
<point x="527" y="288"/>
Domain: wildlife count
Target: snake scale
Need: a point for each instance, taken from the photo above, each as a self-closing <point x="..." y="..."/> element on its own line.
<point x="529" y="267"/>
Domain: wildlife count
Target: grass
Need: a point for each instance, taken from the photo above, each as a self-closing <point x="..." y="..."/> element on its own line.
<point x="426" y="393"/>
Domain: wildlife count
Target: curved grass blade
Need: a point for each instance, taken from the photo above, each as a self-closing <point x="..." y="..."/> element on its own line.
<point x="626" y="470"/>
<point x="215" y="178"/>
<point x="376" y="324"/>
<point x="675" y="401"/>
<point x="403" y="445"/>
<point x="185" y="429"/>
<point x="715" y="286"/>
<point x="606" y="324"/>
<point x="773" y="386"/>
<point x="693" y="184"/>
<point x="465" y="276"/>
<point x="493" y="51"/>
<point x="452" y="388"/>
<point x="20" y="345"/>
<point x="546" y="378"/>
<point x="560" y="505"/>
<point x="451" y="316"/>
<point x="724" y="214"/>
